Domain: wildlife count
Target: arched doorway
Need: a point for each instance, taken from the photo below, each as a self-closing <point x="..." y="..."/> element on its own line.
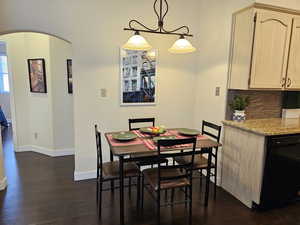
<point x="40" y="92"/>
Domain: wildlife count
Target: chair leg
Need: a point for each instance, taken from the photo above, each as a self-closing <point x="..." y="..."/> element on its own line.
<point x="215" y="190"/>
<point x="129" y="185"/>
<point x="142" y="194"/>
<point x="190" y="203"/>
<point x="100" y="199"/>
<point x="166" y="195"/>
<point x="201" y="178"/>
<point x="172" y="195"/>
<point x="138" y="186"/>
<point x="97" y="190"/>
<point x="112" y="186"/>
<point x="158" y="207"/>
<point x="166" y="191"/>
<point x="185" y="195"/>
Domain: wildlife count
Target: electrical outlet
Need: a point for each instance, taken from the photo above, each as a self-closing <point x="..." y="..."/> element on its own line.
<point x="103" y="92"/>
<point x="217" y="93"/>
<point x="35" y="135"/>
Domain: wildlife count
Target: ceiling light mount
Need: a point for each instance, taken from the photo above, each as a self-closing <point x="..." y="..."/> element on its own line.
<point x="161" y="13"/>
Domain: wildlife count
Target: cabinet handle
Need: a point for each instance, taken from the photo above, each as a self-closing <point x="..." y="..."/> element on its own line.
<point x="289" y="82"/>
<point x="283" y="82"/>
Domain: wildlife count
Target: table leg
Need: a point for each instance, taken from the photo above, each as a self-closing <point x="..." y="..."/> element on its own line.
<point x="121" y="165"/>
<point x="208" y="177"/>
<point x="112" y="183"/>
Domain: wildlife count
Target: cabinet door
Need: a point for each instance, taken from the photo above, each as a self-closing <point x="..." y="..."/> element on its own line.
<point x="270" y="50"/>
<point x="293" y="74"/>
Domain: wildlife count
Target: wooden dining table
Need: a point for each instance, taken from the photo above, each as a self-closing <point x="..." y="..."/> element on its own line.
<point x="139" y="149"/>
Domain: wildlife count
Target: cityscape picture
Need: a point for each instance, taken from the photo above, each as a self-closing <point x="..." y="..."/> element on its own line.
<point x="138" y="71"/>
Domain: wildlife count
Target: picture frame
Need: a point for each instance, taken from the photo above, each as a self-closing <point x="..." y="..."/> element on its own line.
<point x="37" y="75"/>
<point x="70" y="76"/>
<point x="138" y="77"/>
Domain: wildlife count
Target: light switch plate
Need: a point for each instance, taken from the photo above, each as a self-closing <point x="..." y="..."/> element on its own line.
<point x="217" y="92"/>
<point x="103" y="92"/>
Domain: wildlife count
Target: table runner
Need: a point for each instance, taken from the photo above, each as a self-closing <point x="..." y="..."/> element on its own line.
<point x="152" y="146"/>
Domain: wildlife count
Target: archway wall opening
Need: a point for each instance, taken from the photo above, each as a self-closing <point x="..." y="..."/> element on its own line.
<point x="42" y="122"/>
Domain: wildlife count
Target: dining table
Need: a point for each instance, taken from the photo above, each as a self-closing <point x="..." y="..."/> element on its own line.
<point x="139" y="149"/>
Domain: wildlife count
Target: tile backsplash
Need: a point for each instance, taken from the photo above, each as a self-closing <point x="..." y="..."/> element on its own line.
<point x="263" y="104"/>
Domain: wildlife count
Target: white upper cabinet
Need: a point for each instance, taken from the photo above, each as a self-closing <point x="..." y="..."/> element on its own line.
<point x="270" y="50"/>
<point x="265" y="50"/>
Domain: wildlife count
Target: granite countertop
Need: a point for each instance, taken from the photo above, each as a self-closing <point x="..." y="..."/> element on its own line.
<point x="267" y="127"/>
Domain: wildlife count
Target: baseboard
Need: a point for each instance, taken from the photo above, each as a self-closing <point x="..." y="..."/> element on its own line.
<point x="3" y="184"/>
<point x="92" y="174"/>
<point x="63" y="152"/>
<point x="45" y="151"/>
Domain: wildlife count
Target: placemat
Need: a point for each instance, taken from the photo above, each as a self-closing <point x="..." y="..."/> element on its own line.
<point x="114" y="142"/>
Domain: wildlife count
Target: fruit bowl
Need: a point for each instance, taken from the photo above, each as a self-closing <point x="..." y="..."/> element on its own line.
<point x="153" y="130"/>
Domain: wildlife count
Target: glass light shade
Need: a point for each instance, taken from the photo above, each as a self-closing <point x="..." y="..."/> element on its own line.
<point x="138" y="43"/>
<point x="182" y="46"/>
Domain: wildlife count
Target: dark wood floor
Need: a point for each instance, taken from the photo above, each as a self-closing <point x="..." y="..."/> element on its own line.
<point x="41" y="190"/>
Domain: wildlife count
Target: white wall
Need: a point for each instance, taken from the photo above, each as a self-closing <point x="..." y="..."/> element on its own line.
<point x="40" y="104"/>
<point x="48" y="115"/>
<point x="96" y="32"/>
<point x="62" y="101"/>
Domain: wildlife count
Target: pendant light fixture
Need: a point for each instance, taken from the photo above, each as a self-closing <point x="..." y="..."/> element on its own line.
<point x="137" y="42"/>
<point x="182" y="46"/>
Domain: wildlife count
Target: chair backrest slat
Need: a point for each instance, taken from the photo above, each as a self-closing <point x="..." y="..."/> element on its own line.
<point x="140" y="120"/>
<point x="217" y="128"/>
<point x="188" y="165"/>
<point x="99" y="149"/>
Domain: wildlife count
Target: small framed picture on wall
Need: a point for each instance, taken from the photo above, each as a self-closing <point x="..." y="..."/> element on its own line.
<point x="37" y="75"/>
<point x="69" y="73"/>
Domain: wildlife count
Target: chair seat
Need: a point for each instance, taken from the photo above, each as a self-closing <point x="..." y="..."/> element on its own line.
<point x="111" y="170"/>
<point x="149" y="161"/>
<point x="200" y="162"/>
<point x="151" y="175"/>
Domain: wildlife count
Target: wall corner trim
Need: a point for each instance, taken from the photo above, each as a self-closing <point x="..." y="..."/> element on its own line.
<point x="91" y="174"/>
<point x="3" y="183"/>
<point x="46" y="151"/>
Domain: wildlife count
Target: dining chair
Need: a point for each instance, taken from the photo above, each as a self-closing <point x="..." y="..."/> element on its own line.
<point x="149" y="161"/>
<point x="109" y="171"/>
<point x="166" y="177"/>
<point x="201" y="163"/>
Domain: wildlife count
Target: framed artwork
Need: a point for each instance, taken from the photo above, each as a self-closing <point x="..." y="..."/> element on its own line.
<point x="69" y="74"/>
<point x="138" y="77"/>
<point x="37" y="75"/>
